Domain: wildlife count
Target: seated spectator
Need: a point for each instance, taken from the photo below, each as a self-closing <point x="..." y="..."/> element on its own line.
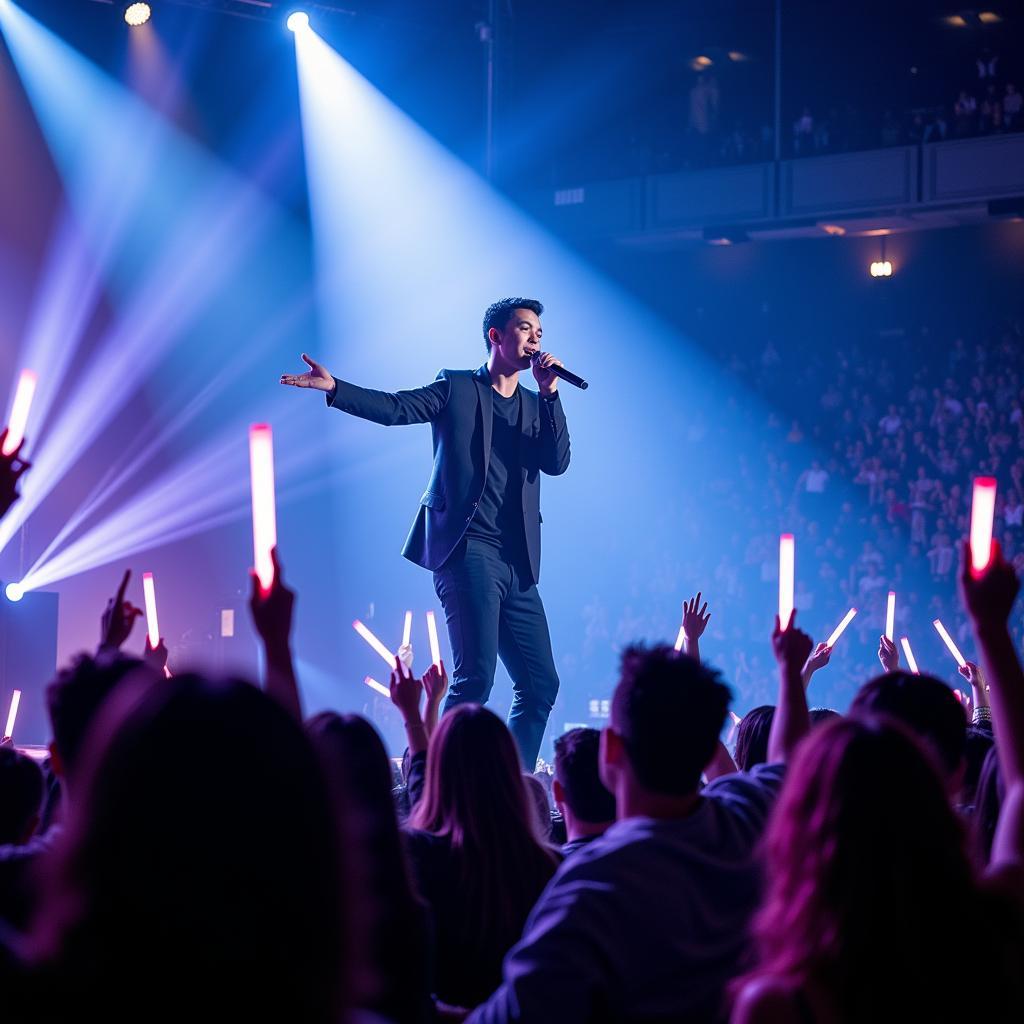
<point x="200" y="872"/>
<point x="358" y="773"/>
<point x="21" y="796"/>
<point x="648" y="922"/>
<point x="472" y="842"/>
<point x="586" y="805"/>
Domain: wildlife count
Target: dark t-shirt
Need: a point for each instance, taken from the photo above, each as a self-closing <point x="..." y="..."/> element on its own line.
<point x="498" y="519"/>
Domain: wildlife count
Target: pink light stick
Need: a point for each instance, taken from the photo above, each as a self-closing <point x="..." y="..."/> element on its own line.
<point x="959" y="696"/>
<point x="948" y="641"/>
<point x="910" y="655"/>
<point x="435" y="647"/>
<point x="371" y="638"/>
<point x="840" y="629"/>
<point x="407" y="629"/>
<point x="19" y="410"/>
<point x="264" y="510"/>
<point x="379" y="687"/>
<point x="787" y="562"/>
<point x="983" y="507"/>
<point x="149" y="592"/>
<point x="12" y="715"/>
<point x="680" y="638"/>
<point x="890" y="615"/>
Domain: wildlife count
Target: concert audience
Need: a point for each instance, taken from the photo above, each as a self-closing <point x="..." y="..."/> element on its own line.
<point x="586" y="806"/>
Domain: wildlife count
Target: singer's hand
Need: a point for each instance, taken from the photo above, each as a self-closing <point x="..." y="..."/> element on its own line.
<point x="317" y="377"/>
<point x="545" y="377"/>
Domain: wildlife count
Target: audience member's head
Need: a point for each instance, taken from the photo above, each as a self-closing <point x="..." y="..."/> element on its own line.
<point x="580" y="794"/>
<point x="21" y="796"/>
<point x="927" y="707"/>
<point x="74" y="699"/>
<point x="666" y="716"/>
<point x="820" y="716"/>
<point x="868" y="880"/>
<point x="200" y="864"/>
<point x="752" y="737"/>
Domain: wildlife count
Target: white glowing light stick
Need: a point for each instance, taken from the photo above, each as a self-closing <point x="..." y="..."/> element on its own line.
<point x="264" y="510"/>
<point x="149" y="592"/>
<point x="19" y="411"/>
<point x="890" y="615"/>
<point x="983" y="507"/>
<point x="910" y="656"/>
<point x="435" y="647"/>
<point x="735" y="718"/>
<point x="12" y="715"/>
<point x="407" y="629"/>
<point x="841" y="628"/>
<point x="680" y="638"/>
<point x="379" y="687"/>
<point x="371" y="638"/>
<point x="948" y="641"/>
<point x="787" y="560"/>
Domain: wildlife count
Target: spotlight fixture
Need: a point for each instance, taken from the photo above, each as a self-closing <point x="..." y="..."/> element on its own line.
<point x="137" y="14"/>
<point x="14" y="592"/>
<point x="298" y="21"/>
<point x="881" y="268"/>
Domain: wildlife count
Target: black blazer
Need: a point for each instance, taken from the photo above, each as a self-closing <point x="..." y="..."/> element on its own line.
<point x="459" y="407"/>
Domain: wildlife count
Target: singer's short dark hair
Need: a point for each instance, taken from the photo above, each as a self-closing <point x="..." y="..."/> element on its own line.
<point x="499" y="313"/>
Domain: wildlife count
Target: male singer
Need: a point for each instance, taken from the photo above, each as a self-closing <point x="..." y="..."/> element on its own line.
<point x="478" y="525"/>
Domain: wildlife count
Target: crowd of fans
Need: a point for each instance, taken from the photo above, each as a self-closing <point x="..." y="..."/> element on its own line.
<point x="192" y="848"/>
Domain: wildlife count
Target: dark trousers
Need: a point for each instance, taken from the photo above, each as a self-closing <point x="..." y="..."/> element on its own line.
<point x="492" y="611"/>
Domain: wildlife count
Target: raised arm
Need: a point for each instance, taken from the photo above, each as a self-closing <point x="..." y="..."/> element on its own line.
<point x="420" y="405"/>
<point x="989" y="598"/>
<point x="11" y="468"/>
<point x="695" y="621"/>
<point x="818" y="660"/>
<point x="792" y="722"/>
<point x="272" y="617"/>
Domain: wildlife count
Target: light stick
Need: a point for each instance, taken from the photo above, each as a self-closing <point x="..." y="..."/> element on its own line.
<point x="910" y="656"/>
<point x="264" y="511"/>
<point x="787" y="560"/>
<point x="371" y="638"/>
<point x="19" y="411"/>
<point x="890" y="615"/>
<point x="948" y="641"/>
<point x="680" y="638"/>
<point x="983" y="506"/>
<point x="435" y="647"/>
<point x="149" y="592"/>
<point x="407" y="629"/>
<point x="379" y="687"/>
<point x="959" y="696"/>
<point x="12" y="715"/>
<point x="839" y="630"/>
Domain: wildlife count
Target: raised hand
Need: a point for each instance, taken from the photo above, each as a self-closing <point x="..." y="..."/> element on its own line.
<point x="544" y="375"/>
<point x="156" y="657"/>
<point x="118" y="618"/>
<point x="791" y="646"/>
<point x="316" y="377"/>
<point x="695" y="618"/>
<point x="973" y="674"/>
<point x="11" y="468"/>
<point x="406" y="691"/>
<point x="272" y="612"/>
<point x="435" y="684"/>
<point x="990" y="597"/>
<point x="819" y="658"/>
<point x="888" y="654"/>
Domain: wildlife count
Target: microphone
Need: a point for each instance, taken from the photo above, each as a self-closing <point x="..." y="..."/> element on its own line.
<point x="561" y="372"/>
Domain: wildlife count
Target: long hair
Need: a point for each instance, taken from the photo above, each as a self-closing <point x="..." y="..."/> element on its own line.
<point x="868" y="883"/>
<point x="474" y="795"/>
<point x="752" y="737"/>
<point x="200" y="867"/>
<point x="359" y="776"/>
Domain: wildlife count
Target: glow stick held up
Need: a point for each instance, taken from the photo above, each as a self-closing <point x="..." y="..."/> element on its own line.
<point x="264" y="509"/>
<point x="407" y="629"/>
<point x="12" y="715"/>
<point x="983" y="507"/>
<point x="19" y="411"/>
<point x="890" y="615"/>
<point x="371" y="638"/>
<point x="948" y="641"/>
<point x="787" y="564"/>
<point x="379" y="687"/>
<point x="435" y="647"/>
<point x="910" y="655"/>
<point x="680" y="638"/>
<point x="152" y="625"/>
<point x="841" y="628"/>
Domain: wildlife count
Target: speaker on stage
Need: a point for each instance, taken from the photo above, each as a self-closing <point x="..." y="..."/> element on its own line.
<point x="28" y="661"/>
